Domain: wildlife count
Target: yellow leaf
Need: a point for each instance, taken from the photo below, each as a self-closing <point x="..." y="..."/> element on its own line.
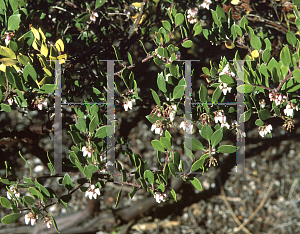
<point x="59" y="45"/>
<point x="42" y="34"/>
<point x="297" y="33"/>
<point x="254" y="54"/>
<point x="235" y="2"/>
<point x="137" y="4"/>
<point x="44" y="50"/>
<point x="8" y="62"/>
<point x="47" y="71"/>
<point x="229" y="44"/>
<point x="142" y="18"/>
<point x="35" y="33"/>
<point x="2" y="67"/>
<point x="62" y="58"/>
<point x="34" y="45"/>
<point x="7" y="52"/>
<point x="46" y="80"/>
<point x="53" y="51"/>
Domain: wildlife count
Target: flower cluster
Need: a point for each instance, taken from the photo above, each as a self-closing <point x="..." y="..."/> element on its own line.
<point x="92" y="192"/>
<point x="278" y="98"/>
<point x="221" y="118"/>
<point x="87" y="151"/>
<point x="186" y="127"/>
<point x="128" y="104"/>
<point x="288" y="123"/>
<point x="212" y="161"/>
<point x="226" y="71"/>
<point x="206" y="4"/>
<point x="11" y="100"/>
<point x="41" y="102"/>
<point x="48" y="222"/>
<point x="223" y="86"/>
<point x="157" y="127"/>
<point x="93" y="16"/>
<point x="30" y="217"/>
<point x="289" y="109"/>
<point x="172" y="112"/>
<point x="205" y="118"/>
<point x="264" y="130"/>
<point x="192" y="14"/>
<point x="239" y="133"/>
<point x="14" y="190"/>
<point x="262" y="103"/>
<point x="160" y="197"/>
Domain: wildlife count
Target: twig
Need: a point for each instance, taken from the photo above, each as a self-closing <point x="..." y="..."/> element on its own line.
<point x="257" y="209"/>
<point x="62" y="9"/>
<point x="231" y="211"/>
<point x="293" y="188"/>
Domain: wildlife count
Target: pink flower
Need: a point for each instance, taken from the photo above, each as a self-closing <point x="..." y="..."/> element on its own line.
<point x="160" y="197"/>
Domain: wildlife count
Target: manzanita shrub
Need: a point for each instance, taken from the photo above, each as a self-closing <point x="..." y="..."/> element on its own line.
<point x="27" y="81"/>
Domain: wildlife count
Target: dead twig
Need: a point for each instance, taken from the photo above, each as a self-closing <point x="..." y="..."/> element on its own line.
<point x="256" y="211"/>
<point x="231" y="211"/>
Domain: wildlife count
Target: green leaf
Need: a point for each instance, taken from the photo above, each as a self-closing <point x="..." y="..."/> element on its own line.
<point x="196" y="144"/>
<point x="134" y="190"/>
<point x="5" y="107"/>
<point x="118" y="55"/>
<point x="166" y="25"/>
<point x="81" y="125"/>
<point x="227" y="79"/>
<point x="155" y="97"/>
<point x="14" y="22"/>
<point x="173" y="194"/>
<point x="198" y="164"/>
<point x="29" y="73"/>
<point x="93" y="124"/>
<point x="259" y="122"/>
<point x="196" y="183"/>
<point x="101" y="132"/>
<point x="178" y="92"/>
<point x="246" y="88"/>
<point x="203" y="93"/>
<point x="29" y="200"/>
<point x="173" y="70"/>
<point x="227" y="149"/>
<point x="14" y="4"/>
<point x="99" y="3"/>
<point x="157" y="145"/>
<point x="54" y="224"/>
<point x="5" y="202"/>
<point x="187" y="44"/>
<point x="291" y="38"/>
<point x="216" y="95"/>
<point x="76" y="137"/>
<point x="266" y="56"/>
<point x="173" y="169"/>
<point x="220" y="12"/>
<point x="165" y="142"/>
<point x="216" y="137"/>
<point x="67" y="182"/>
<point x="149" y="176"/>
<point x="285" y="56"/>
<point x="255" y="42"/>
<point x="206" y="132"/>
<point x="179" y="18"/>
<point x="23" y="59"/>
<point x="11" y="218"/>
<point x="215" y="17"/>
<point x="245" y="116"/>
<point x="129" y="58"/>
<point x="296" y="75"/>
<point x="264" y="114"/>
<point x="197" y="28"/>
<point x="158" y="61"/>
